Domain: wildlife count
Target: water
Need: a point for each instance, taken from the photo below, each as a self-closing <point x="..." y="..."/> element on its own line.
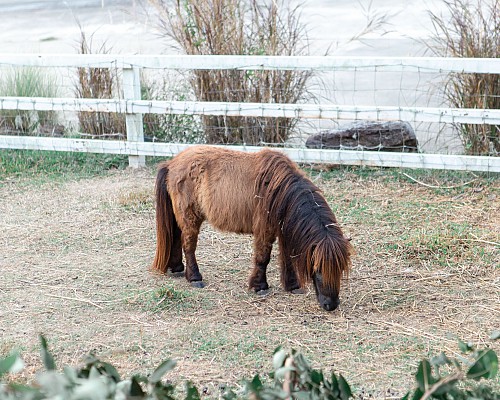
<point x="128" y="27"/>
<point x="51" y="25"/>
<point x="30" y="5"/>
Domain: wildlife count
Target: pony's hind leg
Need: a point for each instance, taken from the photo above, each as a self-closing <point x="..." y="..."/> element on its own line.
<point x="175" y="265"/>
<point x="262" y="256"/>
<point x="189" y="242"/>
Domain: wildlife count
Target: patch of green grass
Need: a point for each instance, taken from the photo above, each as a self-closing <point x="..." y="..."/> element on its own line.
<point x="228" y="347"/>
<point x="52" y="165"/>
<point x="440" y="181"/>
<point x="442" y="243"/>
<point x="167" y="297"/>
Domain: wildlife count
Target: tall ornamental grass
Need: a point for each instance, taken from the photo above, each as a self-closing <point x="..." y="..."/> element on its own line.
<point x="240" y="27"/>
<point x="27" y="82"/>
<point x="472" y="29"/>
<point x="98" y="83"/>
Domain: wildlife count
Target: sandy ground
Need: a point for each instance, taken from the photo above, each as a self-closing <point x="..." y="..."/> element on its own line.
<point x="75" y="255"/>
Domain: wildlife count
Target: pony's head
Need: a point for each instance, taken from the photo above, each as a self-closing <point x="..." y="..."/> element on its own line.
<point x="306" y="226"/>
<point x="329" y="262"/>
<point x="328" y="298"/>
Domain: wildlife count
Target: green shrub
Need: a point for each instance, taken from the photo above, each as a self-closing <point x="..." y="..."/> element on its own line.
<point x="27" y="82"/>
<point x="177" y="128"/>
<point x="462" y="379"/>
<point x="472" y="30"/>
<point x="292" y="378"/>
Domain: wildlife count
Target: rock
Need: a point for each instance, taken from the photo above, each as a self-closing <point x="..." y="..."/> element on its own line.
<point x="397" y="136"/>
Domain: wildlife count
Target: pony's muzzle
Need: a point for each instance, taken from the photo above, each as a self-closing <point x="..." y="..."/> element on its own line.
<point x="328" y="303"/>
<point x="328" y="299"/>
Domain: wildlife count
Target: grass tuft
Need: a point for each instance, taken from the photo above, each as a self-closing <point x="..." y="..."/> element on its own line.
<point x="167" y="297"/>
<point x="255" y="28"/>
<point x="27" y="82"/>
<point x="472" y="30"/>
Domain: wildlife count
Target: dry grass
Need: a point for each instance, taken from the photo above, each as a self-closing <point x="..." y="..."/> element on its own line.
<point x="75" y="259"/>
<point x="97" y="83"/>
<point x="471" y="30"/>
<point x="254" y="28"/>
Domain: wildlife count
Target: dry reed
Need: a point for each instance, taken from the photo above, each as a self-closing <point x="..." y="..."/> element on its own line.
<point x="472" y="30"/>
<point x="236" y="27"/>
<point x="97" y="83"/>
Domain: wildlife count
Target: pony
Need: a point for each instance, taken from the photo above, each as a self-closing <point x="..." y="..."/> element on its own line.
<point x="263" y="194"/>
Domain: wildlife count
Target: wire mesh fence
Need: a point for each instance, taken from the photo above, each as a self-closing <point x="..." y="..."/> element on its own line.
<point x="348" y="104"/>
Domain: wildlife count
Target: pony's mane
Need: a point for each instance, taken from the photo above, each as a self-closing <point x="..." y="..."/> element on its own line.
<point x="308" y="228"/>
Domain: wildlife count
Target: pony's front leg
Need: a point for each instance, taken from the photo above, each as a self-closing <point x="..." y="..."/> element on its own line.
<point x="288" y="275"/>
<point x="262" y="255"/>
<point x="189" y="242"/>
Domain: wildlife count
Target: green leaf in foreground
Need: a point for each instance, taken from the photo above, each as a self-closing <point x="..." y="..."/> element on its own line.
<point x="465" y="347"/>
<point x="345" y="389"/>
<point x="48" y="360"/>
<point x="191" y="392"/>
<point x="110" y="371"/>
<point x="135" y="388"/>
<point x="12" y="363"/>
<point x="161" y="370"/>
<point x="424" y="375"/>
<point x="486" y="366"/>
<point x="279" y="358"/>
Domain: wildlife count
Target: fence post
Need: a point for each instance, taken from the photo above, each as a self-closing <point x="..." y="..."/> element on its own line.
<point x="135" y="132"/>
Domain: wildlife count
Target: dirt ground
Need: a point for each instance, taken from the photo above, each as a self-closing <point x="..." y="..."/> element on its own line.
<point x="74" y="266"/>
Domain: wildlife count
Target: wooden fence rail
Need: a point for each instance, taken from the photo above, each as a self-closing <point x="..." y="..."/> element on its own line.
<point x="133" y="107"/>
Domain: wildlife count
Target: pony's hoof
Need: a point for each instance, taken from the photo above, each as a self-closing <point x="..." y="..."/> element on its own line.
<point x="198" y="284"/>
<point x="263" y="292"/>
<point x="298" y="291"/>
<point x="179" y="274"/>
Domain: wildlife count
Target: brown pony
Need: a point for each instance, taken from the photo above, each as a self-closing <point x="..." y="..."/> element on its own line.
<point x="263" y="194"/>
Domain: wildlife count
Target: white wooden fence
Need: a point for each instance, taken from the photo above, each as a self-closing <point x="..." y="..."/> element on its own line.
<point x="134" y="107"/>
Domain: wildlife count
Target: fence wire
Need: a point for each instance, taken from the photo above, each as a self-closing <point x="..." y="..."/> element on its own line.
<point x="385" y="107"/>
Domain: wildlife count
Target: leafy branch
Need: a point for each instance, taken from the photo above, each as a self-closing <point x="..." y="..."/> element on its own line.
<point x="292" y="378"/>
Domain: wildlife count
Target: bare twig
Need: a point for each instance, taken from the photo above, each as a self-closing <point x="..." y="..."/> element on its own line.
<point x="74" y="299"/>
<point x="437" y="187"/>
<point x="450" y="378"/>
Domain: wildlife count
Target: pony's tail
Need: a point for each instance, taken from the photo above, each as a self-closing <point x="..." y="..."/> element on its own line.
<point x="165" y="220"/>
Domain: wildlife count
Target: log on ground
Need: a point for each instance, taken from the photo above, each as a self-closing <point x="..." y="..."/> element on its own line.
<point x="396" y="136"/>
